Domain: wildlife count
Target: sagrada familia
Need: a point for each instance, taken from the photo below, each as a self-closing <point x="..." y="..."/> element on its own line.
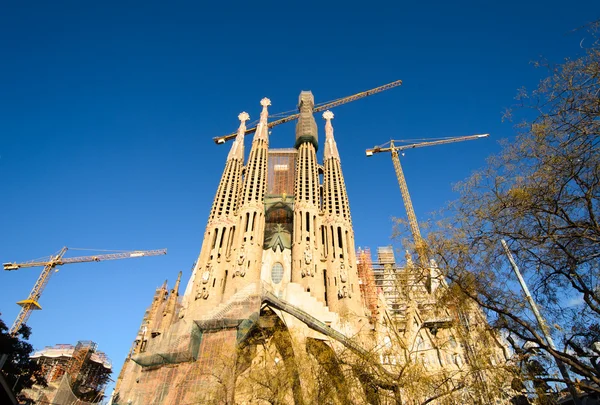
<point x="280" y="308"/>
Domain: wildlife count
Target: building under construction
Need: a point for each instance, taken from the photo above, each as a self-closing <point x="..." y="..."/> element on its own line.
<point x="75" y="374"/>
<point x="278" y="292"/>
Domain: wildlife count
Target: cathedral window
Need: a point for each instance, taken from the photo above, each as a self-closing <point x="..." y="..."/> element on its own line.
<point x="308" y="222"/>
<point x="247" y="221"/>
<point x="214" y="240"/>
<point x="230" y="242"/>
<point x="277" y="273"/>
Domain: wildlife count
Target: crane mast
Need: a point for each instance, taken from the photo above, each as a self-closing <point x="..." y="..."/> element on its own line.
<point x="222" y="139"/>
<point x="31" y="303"/>
<point x="412" y="217"/>
<point x="410" y="212"/>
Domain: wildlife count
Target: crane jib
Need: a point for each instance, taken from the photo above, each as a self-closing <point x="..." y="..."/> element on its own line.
<point x="31" y="303"/>
<point x="222" y="139"/>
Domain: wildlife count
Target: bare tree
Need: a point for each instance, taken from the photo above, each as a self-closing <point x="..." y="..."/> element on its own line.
<point x="542" y="194"/>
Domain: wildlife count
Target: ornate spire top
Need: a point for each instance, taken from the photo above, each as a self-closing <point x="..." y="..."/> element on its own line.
<point x="330" y="146"/>
<point x="265" y="102"/>
<point x="237" y="149"/>
<point x="262" y="132"/>
<point x="243" y="117"/>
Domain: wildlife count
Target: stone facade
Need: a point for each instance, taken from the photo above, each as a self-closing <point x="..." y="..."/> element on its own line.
<point x="276" y="281"/>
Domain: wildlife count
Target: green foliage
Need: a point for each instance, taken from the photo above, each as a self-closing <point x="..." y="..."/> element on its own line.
<point x="20" y="370"/>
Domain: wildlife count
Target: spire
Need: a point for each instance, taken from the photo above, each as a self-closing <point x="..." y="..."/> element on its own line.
<point x="306" y="128"/>
<point x="237" y="149"/>
<point x="255" y="180"/>
<point x="330" y="145"/>
<point x="170" y="308"/>
<point x="262" y="132"/>
<point x="176" y="288"/>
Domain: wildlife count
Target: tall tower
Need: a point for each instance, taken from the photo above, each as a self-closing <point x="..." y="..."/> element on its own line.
<point x="305" y="254"/>
<point x="277" y="260"/>
<point x="337" y="233"/>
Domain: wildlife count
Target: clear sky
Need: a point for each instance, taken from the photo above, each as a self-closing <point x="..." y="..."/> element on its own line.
<point x="107" y="110"/>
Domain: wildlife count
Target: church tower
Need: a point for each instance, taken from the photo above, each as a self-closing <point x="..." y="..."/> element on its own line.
<point x="336" y="230"/>
<point x="278" y="249"/>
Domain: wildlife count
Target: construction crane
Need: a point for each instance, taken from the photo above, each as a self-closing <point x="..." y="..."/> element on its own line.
<point x="321" y="107"/>
<point x="31" y="303"/>
<point x="410" y="212"/>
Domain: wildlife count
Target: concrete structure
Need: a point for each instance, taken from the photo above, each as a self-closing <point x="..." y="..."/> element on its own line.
<point x="277" y="277"/>
<point x="75" y="374"/>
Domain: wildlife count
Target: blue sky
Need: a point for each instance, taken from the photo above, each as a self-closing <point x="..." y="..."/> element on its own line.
<point x="107" y="113"/>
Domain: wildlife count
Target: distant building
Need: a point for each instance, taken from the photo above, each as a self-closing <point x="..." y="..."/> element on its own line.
<point x="75" y="374"/>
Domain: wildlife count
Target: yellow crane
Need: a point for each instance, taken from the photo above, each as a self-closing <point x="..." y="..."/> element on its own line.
<point x="31" y="303"/>
<point x="410" y="212"/>
<point x="320" y="107"/>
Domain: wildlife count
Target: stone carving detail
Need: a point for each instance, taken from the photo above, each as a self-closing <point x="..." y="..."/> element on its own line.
<point x="343" y="273"/>
<point x="202" y="294"/>
<point x="241" y="270"/>
<point x="207" y="273"/>
<point x="344" y="293"/>
<point x="306" y="272"/>
<point x="241" y="256"/>
<point x="328" y="115"/>
<point x="307" y="256"/>
<point x="243" y="117"/>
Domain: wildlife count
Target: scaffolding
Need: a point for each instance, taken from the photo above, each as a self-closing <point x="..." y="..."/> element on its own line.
<point x="81" y="355"/>
<point x="391" y="281"/>
<point x="281" y="172"/>
<point x="367" y="284"/>
<point x="68" y="369"/>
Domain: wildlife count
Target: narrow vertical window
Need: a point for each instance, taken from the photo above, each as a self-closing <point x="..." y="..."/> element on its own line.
<point x="224" y="283"/>
<point x="332" y="240"/>
<point x="231" y="237"/>
<point x="325" y="285"/>
<point x="221" y="238"/>
<point x="214" y="239"/>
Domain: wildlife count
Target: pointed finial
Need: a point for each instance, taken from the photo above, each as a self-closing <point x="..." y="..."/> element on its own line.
<point x="237" y="149"/>
<point x="265" y="102"/>
<point x="330" y="146"/>
<point x="176" y="287"/>
<point x="243" y="117"/>
<point x="262" y="129"/>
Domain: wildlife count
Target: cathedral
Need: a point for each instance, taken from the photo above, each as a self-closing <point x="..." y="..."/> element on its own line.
<point x="278" y="308"/>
